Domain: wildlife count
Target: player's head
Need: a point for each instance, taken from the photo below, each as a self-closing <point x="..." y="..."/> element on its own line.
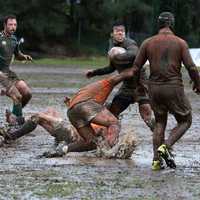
<point x="10" y="24"/>
<point x="166" y="19"/>
<point x="118" y="32"/>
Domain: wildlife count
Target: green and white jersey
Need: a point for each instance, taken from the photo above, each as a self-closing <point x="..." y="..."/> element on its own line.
<point x="8" y="47"/>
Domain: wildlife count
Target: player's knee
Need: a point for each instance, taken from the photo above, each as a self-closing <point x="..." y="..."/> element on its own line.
<point x="145" y="110"/>
<point x="17" y="97"/>
<point x="26" y="98"/>
<point x="114" y="121"/>
<point x="28" y="94"/>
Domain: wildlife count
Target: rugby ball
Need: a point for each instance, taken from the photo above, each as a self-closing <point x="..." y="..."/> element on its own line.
<point x="115" y="51"/>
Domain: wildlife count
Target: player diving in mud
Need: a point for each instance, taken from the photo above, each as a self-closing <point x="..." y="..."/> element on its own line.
<point x="94" y="126"/>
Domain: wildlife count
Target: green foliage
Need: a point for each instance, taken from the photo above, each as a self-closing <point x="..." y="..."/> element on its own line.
<point x="85" y="25"/>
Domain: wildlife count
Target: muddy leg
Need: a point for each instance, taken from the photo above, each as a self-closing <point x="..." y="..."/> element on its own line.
<point x="107" y="119"/>
<point x="25" y="92"/>
<point x="184" y="123"/>
<point x="146" y="114"/>
<point x="27" y="127"/>
<point x="159" y="133"/>
<point x="85" y="144"/>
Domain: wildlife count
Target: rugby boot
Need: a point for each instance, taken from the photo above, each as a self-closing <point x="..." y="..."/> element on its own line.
<point x="59" y="151"/>
<point x="157" y="165"/>
<point x="16" y="132"/>
<point x="165" y="153"/>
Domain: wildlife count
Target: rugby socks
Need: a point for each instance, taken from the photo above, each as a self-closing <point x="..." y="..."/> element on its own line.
<point x="17" y="110"/>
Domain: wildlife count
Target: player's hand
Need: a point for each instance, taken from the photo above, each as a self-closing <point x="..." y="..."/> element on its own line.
<point x="67" y="101"/>
<point x="28" y="57"/>
<point x="89" y="74"/>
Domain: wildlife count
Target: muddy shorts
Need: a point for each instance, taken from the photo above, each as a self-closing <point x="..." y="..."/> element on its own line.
<point x="8" y="78"/>
<point x="64" y="132"/>
<point x="168" y="98"/>
<point x="81" y="114"/>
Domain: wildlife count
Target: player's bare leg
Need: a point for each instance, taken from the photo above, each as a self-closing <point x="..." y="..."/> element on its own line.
<point x="146" y="114"/>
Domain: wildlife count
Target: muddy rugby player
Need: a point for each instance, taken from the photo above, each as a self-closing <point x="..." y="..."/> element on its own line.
<point x="165" y="52"/>
<point x="91" y="120"/>
<point x="13" y="87"/>
<point x="133" y="89"/>
<point x="87" y="106"/>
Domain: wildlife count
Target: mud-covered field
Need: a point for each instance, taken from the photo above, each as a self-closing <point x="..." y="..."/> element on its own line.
<point x="82" y="176"/>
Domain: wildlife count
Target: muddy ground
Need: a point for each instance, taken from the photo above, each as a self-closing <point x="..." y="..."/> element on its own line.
<point x="81" y="175"/>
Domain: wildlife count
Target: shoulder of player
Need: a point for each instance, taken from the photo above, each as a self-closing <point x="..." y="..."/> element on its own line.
<point x="181" y="41"/>
<point x="147" y="41"/>
<point x="129" y="42"/>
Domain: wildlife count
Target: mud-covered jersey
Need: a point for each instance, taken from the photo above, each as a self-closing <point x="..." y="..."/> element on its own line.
<point x="122" y="62"/>
<point x="165" y="52"/>
<point x="8" y="47"/>
<point x="98" y="92"/>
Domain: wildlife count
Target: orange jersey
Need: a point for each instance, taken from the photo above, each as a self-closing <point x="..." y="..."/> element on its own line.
<point x="98" y="91"/>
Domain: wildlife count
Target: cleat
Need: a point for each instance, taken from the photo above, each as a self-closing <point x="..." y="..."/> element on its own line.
<point x="59" y="151"/>
<point x="157" y="165"/>
<point x="167" y="156"/>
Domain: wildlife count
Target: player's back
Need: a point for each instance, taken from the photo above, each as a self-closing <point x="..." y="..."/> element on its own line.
<point x="97" y="91"/>
<point x="164" y="52"/>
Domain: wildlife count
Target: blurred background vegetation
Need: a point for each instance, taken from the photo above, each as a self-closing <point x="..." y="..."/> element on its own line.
<point x="82" y="27"/>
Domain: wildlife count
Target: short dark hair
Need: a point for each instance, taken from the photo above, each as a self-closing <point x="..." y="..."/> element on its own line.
<point x="118" y="23"/>
<point x="166" y="19"/>
<point x="5" y="20"/>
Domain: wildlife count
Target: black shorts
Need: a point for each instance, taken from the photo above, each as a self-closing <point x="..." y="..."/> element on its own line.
<point x="129" y="96"/>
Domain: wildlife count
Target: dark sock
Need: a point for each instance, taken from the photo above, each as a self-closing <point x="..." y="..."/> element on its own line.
<point x="17" y="110"/>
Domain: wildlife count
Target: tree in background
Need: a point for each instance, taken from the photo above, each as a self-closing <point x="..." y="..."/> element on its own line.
<point x="77" y="27"/>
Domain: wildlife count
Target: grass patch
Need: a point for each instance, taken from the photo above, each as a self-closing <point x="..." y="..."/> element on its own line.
<point x="78" y="61"/>
<point x="55" y="190"/>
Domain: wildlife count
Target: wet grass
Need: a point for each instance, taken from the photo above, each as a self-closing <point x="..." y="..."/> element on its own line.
<point x="62" y="189"/>
<point x="78" y="61"/>
<point x="56" y="81"/>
